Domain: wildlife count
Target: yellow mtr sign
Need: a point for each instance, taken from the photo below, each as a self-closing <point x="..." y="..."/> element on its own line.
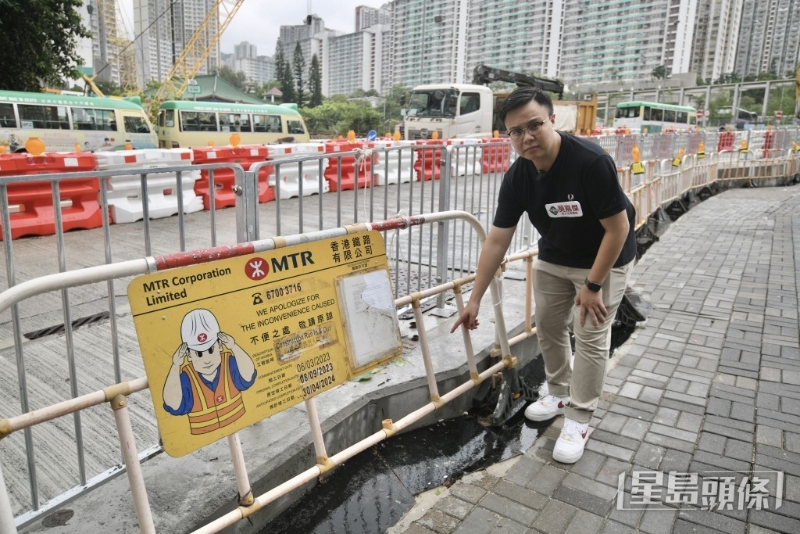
<point x="229" y="343"/>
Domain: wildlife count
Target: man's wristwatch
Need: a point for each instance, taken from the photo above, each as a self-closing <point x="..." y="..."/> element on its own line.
<point x="594" y="288"/>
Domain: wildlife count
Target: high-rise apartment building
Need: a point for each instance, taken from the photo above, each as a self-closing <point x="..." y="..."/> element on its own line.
<point x="245" y="58"/>
<point x="370" y="16"/>
<point x="164" y="27"/>
<point x="578" y="41"/>
<point x="769" y="37"/>
<point x="519" y="36"/>
<point x="716" y="38"/>
<point x="245" y="50"/>
<point x="299" y="32"/>
<point x="355" y="61"/>
<point x="428" y="41"/>
<point x="85" y="45"/>
<point x="625" y="40"/>
<point x="309" y="37"/>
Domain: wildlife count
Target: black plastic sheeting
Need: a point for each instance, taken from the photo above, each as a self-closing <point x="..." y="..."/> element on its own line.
<point x="373" y="490"/>
<point x="632" y="309"/>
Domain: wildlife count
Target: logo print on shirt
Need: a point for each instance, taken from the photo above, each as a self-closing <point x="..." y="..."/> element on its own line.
<point x="554" y="210"/>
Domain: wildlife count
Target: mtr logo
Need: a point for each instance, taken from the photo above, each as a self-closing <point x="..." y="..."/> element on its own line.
<point x="258" y="268"/>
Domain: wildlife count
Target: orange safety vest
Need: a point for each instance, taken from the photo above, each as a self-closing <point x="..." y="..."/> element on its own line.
<point x="212" y="410"/>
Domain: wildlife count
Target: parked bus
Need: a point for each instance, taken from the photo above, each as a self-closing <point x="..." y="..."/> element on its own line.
<point x="744" y="120"/>
<point x="654" y="117"/>
<point x="183" y="123"/>
<point x="64" y="121"/>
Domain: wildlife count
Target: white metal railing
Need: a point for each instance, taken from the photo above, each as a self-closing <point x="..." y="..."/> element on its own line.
<point x="419" y="259"/>
<point x="117" y="394"/>
<point x="463" y="185"/>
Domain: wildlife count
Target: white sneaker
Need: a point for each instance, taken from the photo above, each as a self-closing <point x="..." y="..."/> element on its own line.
<point x="546" y="408"/>
<point x="570" y="444"/>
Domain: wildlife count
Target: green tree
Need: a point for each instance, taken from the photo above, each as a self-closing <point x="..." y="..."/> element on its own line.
<point x="315" y="83"/>
<point x="283" y="73"/>
<point x="392" y="109"/>
<point x="299" y="72"/>
<point x="39" y="43"/>
<point x="280" y="59"/>
<point x="109" y="88"/>
<point x="659" y="73"/>
<point x="237" y="78"/>
<point x="360" y="93"/>
<point x="263" y="88"/>
<point x="287" y="83"/>
<point x="336" y="116"/>
<point x="730" y="77"/>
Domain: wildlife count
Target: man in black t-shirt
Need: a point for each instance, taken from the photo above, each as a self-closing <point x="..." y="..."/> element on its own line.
<point x="569" y="188"/>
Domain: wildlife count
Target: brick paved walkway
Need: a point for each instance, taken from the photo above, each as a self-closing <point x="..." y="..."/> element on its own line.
<point x="711" y="383"/>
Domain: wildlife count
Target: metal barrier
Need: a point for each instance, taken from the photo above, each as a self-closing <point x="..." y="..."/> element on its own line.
<point x="668" y="144"/>
<point x="118" y="394"/>
<point x="88" y="303"/>
<point x="413" y="259"/>
<point x="411" y="248"/>
<point x="415" y="267"/>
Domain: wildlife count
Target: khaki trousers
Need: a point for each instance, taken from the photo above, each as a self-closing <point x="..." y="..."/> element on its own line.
<point x="554" y="290"/>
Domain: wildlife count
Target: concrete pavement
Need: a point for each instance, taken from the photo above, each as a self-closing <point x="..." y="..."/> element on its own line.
<point x="710" y="386"/>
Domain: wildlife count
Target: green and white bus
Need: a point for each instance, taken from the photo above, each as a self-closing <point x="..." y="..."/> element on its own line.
<point x="186" y="124"/>
<point x="63" y="122"/>
<point x="654" y="117"/>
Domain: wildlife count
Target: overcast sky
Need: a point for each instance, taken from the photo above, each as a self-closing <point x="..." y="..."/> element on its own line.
<point x="259" y="21"/>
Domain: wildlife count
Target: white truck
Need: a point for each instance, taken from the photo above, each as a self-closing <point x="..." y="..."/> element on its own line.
<point x="468" y="110"/>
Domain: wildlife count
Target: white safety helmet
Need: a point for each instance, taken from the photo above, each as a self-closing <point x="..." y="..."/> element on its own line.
<point x="199" y="329"/>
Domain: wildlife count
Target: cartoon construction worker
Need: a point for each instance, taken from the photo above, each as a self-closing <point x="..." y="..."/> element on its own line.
<point x="209" y="371"/>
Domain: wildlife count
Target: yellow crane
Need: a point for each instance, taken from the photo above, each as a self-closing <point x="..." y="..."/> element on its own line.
<point x="196" y="52"/>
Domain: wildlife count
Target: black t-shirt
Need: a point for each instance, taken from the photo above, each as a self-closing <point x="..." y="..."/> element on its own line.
<point x="566" y="203"/>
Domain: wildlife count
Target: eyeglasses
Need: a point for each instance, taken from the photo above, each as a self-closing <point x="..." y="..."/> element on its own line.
<point x="532" y="128"/>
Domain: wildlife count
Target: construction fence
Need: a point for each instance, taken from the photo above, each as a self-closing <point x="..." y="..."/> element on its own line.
<point x="433" y="201"/>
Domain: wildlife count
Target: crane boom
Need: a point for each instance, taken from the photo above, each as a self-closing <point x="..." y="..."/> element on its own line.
<point x="484" y="74"/>
<point x="197" y="50"/>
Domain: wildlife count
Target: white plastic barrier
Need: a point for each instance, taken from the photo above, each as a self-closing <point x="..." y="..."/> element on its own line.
<point x="124" y="192"/>
<point x="289" y="183"/>
<point x="400" y="167"/>
<point x="312" y="170"/>
<point x="467" y="157"/>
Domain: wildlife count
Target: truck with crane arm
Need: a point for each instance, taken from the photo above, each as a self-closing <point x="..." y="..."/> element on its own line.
<point x="469" y="110"/>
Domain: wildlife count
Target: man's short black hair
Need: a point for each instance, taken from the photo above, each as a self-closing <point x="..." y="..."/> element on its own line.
<point x="521" y="96"/>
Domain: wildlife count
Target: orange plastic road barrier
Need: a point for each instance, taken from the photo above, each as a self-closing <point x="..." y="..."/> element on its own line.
<point x="224" y="179"/>
<point x="354" y="174"/>
<point x="769" y="137"/>
<point x="430" y="158"/>
<point x="725" y="141"/>
<point x="496" y="158"/>
<point x="31" y="203"/>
